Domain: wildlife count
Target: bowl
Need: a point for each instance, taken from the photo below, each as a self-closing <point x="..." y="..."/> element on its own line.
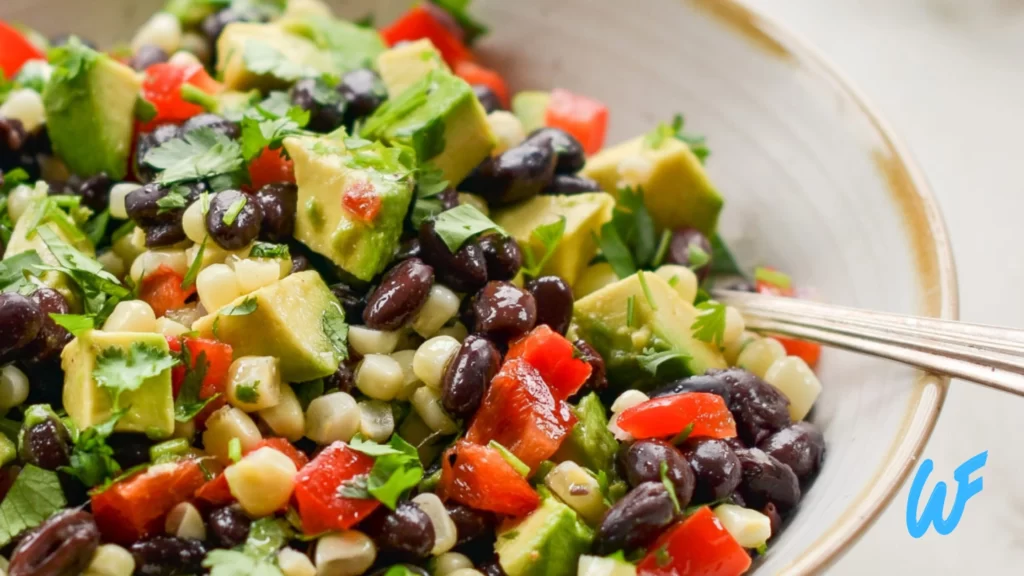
<point x="815" y="183"/>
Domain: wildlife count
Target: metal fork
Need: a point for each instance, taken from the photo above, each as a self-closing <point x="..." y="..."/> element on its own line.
<point x="987" y="355"/>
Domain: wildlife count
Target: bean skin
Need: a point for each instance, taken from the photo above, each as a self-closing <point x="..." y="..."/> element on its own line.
<point x="300" y="263"/>
<point x="470" y="524"/>
<point x="52" y="337"/>
<point x="218" y="124"/>
<point x="278" y="202"/>
<point x="363" y="92"/>
<point x="402" y="292"/>
<point x="148" y="141"/>
<point x="716" y="468"/>
<point x="765" y="480"/>
<point x="323" y="118"/>
<point x="465" y="271"/>
<point x="20" y="322"/>
<point x="229" y="526"/>
<point x="62" y="545"/>
<point x="800" y="446"/>
<point x="406" y="531"/>
<point x="568" y="150"/>
<point x="352" y="302"/>
<point x="168" y="556"/>
<point x="759" y="408"/>
<point x="683" y="244"/>
<point x="95" y="192"/>
<point x="488" y="98"/>
<point x="643" y="460"/>
<point x="146" y="56"/>
<point x="569" y="184"/>
<point x="503" y="255"/>
<point x="598" y="380"/>
<point x="636" y="519"/>
<point x="342" y="380"/>
<point x="130" y="449"/>
<point x="243" y="229"/>
<point x="504" y="311"/>
<point x="46" y="445"/>
<point x="409" y="248"/>
<point x="467" y="376"/>
<point x="554" y="302"/>
<point x="517" y="174"/>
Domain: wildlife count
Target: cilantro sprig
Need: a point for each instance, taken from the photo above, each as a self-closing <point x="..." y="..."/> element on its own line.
<point x="202" y="154"/>
<point x="709" y="326"/>
<point x="697" y="143"/>
<point x="396" y="470"/>
<point x="549" y="235"/>
<point x="461" y="223"/>
<point x="628" y="242"/>
<point x="34" y="496"/>
<point x="120" y="370"/>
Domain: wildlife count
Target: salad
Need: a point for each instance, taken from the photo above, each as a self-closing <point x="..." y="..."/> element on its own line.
<point x="287" y="295"/>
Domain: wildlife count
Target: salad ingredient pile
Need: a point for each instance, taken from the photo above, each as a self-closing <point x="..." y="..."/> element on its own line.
<point x="289" y="295"/>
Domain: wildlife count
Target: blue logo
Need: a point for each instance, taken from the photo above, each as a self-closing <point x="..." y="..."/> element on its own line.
<point x="932" y="514"/>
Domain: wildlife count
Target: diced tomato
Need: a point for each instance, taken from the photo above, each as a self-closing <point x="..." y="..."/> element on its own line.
<point x="521" y="414"/>
<point x="217" y="493"/>
<point x="809" y="351"/>
<point x="162" y="88"/>
<point x="419" y="23"/>
<point x="585" y="118"/>
<point x="479" y="477"/>
<point x="15" y="50"/>
<point x="669" y="415"/>
<point x="316" y="490"/>
<point x="134" y="508"/>
<point x="554" y="357"/>
<point x="362" y="200"/>
<point x="178" y="372"/>
<point x="697" y="546"/>
<point x="162" y="290"/>
<point x="474" y="73"/>
<point x="218" y="357"/>
<point x="269" y="167"/>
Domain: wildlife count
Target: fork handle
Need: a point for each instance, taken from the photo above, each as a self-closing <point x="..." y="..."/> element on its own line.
<point x="987" y="355"/>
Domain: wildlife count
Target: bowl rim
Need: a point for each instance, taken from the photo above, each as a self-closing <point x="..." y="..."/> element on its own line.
<point x="933" y="259"/>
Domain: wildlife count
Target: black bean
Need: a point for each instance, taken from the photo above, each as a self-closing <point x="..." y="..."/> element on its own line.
<point x="759" y="408"/>
<point x="449" y="198"/>
<point x="765" y="480"/>
<point x="8" y="474"/>
<point x="705" y="383"/>
<point x="325" y="115"/>
<point x="402" y="292"/>
<point x="504" y="311"/>
<point x="363" y="92"/>
<point x="143" y="204"/>
<point x="503" y="255"/>
<point x="467" y="376"/>
<point x="488" y="98"/>
<point x="352" y="301"/>
<point x="95" y="192"/>
<point x="492" y="568"/>
<point x="52" y="337"/>
<point x="636" y="519"/>
<point x="568" y="149"/>
<point x="147" y="55"/>
<point x="65" y="37"/>
<point x="800" y="446"/>
<point x="643" y="461"/>
<point x="464" y="271"/>
<point x="569" y="184"/>
<point x="60" y="188"/>
<point x="214" y="24"/>
<point x="147" y="141"/>
<point x="409" y="248"/>
<point x="554" y="302"/>
<point x="164" y="234"/>
<point x="716" y="468"/>
<point x="168" y="556"/>
<point x="12" y="142"/>
<point x="218" y="124"/>
<point x="300" y="262"/>
<point x="46" y="445"/>
<point x="406" y="530"/>
<point x="598" y="379"/>
<point x="278" y="202"/>
<point x="232" y="227"/>
<point x="343" y="379"/>
<point x="21" y="319"/>
<point x="470" y="524"/>
<point x="229" y="526"/>
<point x="61" y="546"/>
<point x="687" y="244"/>
<point x="130" y="449"/>
<point x="774" y="517"/>
<point x="517" y="174"/>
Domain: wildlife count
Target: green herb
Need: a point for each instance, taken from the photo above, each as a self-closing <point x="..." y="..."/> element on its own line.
<point x="74" y="323"/>
<point x="144" y="109"/>
<point x="662" y="250"/>
<point x="188" y="404"/>
<point x="630" y="310"/>
<point x="175" y="199"/>
<point x="511" y="458"/>
<point x="696" y="256"/>
<point x="647" y="290"/>
<point x="615" y="250"/>
<point x="635" y="225"/>
<point x="652" y="361"/>
<point x="458" y="9"/>
<point x="244" y="308"/>
<point x="549" y="235"/>
<point x="701" y="297"/>
<point x="235" y="449"/>
<point x="722" y="261"/>
<point x="773" y="277"/>
<point x="356" y="487"/>
<point x="461" y="223"/>
<point x="268" y="250"/>
<point x="231" y="214"/>
<point x="193" y="95"/>
<point x="96" y="228"/>
<point x="92" y="460"/>
<point x="334" y="326"/>
<point x="266" y="537"/>
<point x="670" y="487"/>
<point x="223" y="562"/>
<point x="33" y="497"/>
<point x="400" y="570"/>
<point x="195" y="267"/>
<point x="126" y="228"/>
<point x="430" y="183"/>
<point x="123" y="370"/>
<point x="709" y="326"/>
<point x="263" y="128"/>
<point x="509" y="535"/>
<point x="396" y="109"/>
<point x="683" y="435"/>
<point x="200" y="154"/>
<point x="396" y="469"/>
<point x="662" y="557"/>
<point x="673" y="281"/>
<point x="655" y="138"/>
<point x="262" y="58"/>
<point x="248" y="393"/>
<point x="18" y="270"/>
<point x="761" y="549"/>
<point x="306" y="392"/>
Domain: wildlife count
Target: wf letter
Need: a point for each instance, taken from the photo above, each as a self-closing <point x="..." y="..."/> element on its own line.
<point x="932" y="514"/>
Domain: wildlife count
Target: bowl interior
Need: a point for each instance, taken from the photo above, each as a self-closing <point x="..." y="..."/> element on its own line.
<point x="814" y="186"/>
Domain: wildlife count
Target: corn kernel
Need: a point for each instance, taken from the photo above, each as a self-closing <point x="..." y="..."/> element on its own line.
<point x="449" y="562"/>
<point x="217" y="287"/>
<point x="466" y="572"/>
<point x="427" y="402"/>
<point x="131" y="316"/>
<point x="376" y="421"/>
<point x="457" y="331"/>
<point x="410" y="382"/>
<point x="507" y="129"/>
<point x="151" y="260"/>
<point x="601" y="566"/>
<point x="13" y="387"/>
<point x="732" y="352"/>
<point x="444" y="526"/>
<point x="117" y="195"/>
<point x="112" y="263"/>
<point x="295" y="563"/>
<point x="285" y="418"/>
<point x="184" y="521"/>
<point x="432" y="359"/>
<point x="25" y="105"/>
<point x="254" y="274"/>
<point x="627" y="400"/>
<point x="262" y="482"/>
<point x="345" y="553"/>
<point x="794" y="378"/>
<point x="379" y="377"/>
<point x="369" y="341"/>
<point x="23" y="195"/>
<point x="578" y="489"/>
<point x="734" y="326"/>
<point x="162" y="30"/>
<point x="441" y="306"/>
<point x="194" y="223"/>
<point x="111" y="560"/>
<point x="758" y="356"/>
<point x="170" y="328"/>
<point x="223" y="425"/>
<point x="749" y="528"/>
<point x="254" y="383"/>
<point x="332" y="417"/>
<point x="681" y="278"/>
<point x="130" y="246"/>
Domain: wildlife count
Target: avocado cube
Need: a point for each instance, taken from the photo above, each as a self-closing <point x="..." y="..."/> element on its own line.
<point x="267" y="57"/>
<point x="295" y="319"/>
<point x="349" y="45"/>
<point x="598" y="566"/>
<point x="325" y="172"/>
<point x="440" y="118"/>
<point x="150" y="408"/>
<point x="531" y="107"/>
<point x="545" y="543"/>
<point x="584" y="214"/>
<point x="658" y="345"/>
<point x="90" y="110"/>
<point x="404" y="65"/>
<point x="677" y="190"/>
<point x="590" y="443"/>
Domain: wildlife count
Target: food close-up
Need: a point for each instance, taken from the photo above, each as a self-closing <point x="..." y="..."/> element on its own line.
<point x="286" y="294"/>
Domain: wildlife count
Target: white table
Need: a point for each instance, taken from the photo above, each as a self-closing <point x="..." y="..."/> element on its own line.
<point x="949" y="77"/>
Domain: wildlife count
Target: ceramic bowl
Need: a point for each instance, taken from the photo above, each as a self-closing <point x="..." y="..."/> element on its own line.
<point x="815" y="183"/>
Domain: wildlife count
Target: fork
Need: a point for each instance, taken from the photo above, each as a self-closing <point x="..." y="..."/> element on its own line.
<point x="987" y="355"/>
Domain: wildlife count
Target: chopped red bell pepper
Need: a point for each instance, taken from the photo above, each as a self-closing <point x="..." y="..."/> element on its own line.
<point x="15" y="50"/>
<point x="479" y="477"/>
<point x="270" y="167"/>
<point x="162" y="88"/>
<point x="697" y="546"/>
<point x="320" y="506"/>
<point x="285" y="447"/>
<point x="474" y="73"/>
<point x="667" y="416"/>
<point x="162" y="290"/>
<point x="521" y="414"/>
<point x="419" y="23"/>
<point x="809" y="351"/>
<point x="585" y="118"/>
<point x="216" y="492"/>
<point x="362" y="200"/>
<point x="134" y="508"/>
<point x="178" y="372"/>
<point x="554" y="357"/>
<point x="218" y="356"/>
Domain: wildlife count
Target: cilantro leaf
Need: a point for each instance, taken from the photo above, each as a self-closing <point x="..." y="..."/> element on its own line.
<point x="471" y="27"/>
<point x="549" y="235"/>
<point x="697" y="144"/>
<point x="333" y="324"/>
<point x="722" y="260"/>
<point x="96" y="284"/>
<point x="268" y="250"/>
<point x="92" y="460"/>
<point x="231" y="214"/>
<point x="262" y="58"/>
<point x="709" y="326"/>
<point x="355" y="487"/>
<point x="34" y="496"/>
<point x="194" y="267"/>
<point x="96" y="228"/>
<point x="248" y="393"/>
<point x="396" y="470"/>
<point x="615" y="251"/>
<point x="122" y="370"/>
<point x="635" y="225"/>
<point x="188" y="403"/>
<point x="696" y="256"/>
<point x="670" y="487"/>
<point x="200" y="154"/>
<point x="74" y="323"/>
<point x="430" y="183"/>
<point x="306" y="392"/>
<point x="652" y="361"/>
<point x="175" y="199"/>
<point x="263" y="129"/>
<point x="236" y="563"/>
<point x="17" y="270"/>
<point x="266" y="537"/>
<point x="243" y="308"/>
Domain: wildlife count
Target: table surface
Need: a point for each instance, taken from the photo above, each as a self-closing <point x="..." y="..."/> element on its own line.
<point x="947" y="76"/>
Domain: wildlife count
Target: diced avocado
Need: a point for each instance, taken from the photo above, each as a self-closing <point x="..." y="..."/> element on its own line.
<point x="265" y="56"/>
<point x="233" y="103"/>
<point x="677" y="190"/>
<point x="349" y="45"/>
<point x="325" y="172"/>
<point x="584" y="214"/>
<point x="190" y="12"/>
<point x="590" y="443"/>
<point x="608" y="566"/>
<point x="90" y="103"/>
<point x="150" y="408"/>
<point x="403" y="66"/>
<point x="531" y="107"/>
<point x="658" y="345"/>
<point x="318" y="8"/>
<point x="440" y="118"/>
<point x="296" y="319"/>
<point x="545" y="543"/>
